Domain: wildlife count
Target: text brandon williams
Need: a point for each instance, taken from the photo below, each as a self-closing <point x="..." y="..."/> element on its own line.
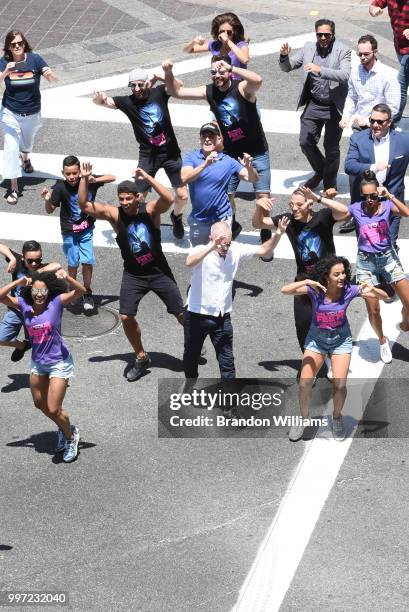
<point x="224" y="421"/>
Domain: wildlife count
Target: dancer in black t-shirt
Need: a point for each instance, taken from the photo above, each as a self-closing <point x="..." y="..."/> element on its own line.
<point x="147" y="110"/>
<point x="137" y="227"/>
<point x="311" y="236"/>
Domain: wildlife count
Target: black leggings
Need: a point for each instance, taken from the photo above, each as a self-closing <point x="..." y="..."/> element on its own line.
<point x="302" y="317"/>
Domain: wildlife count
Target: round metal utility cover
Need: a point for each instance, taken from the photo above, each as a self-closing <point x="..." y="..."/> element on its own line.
<point x="75" y="324"/>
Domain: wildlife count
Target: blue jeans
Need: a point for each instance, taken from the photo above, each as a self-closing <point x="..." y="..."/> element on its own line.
<point x="378" y="268"/>
<point x="197" y="327"/>
<point x="10" y="326"/>
<point x="336" y="341"/>
<point x="403" y="78"/>
<point x="262" y="164"/>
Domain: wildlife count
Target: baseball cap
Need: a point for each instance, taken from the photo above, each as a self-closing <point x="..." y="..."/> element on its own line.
<point x="210" y="127"/>
<point x="137" y="74"/>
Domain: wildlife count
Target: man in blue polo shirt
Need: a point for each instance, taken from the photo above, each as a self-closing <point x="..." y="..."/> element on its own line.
<point x="207" y="171"/>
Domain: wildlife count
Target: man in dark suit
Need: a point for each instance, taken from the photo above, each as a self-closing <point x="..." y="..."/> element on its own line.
<point x="327" y="66"/>
<point x="384" y="151"/>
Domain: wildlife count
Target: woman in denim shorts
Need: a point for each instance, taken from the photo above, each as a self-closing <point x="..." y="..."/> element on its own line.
<point x="329" y="334"/>
<point x="377" y="260"/>
<point x="41" y="303"/>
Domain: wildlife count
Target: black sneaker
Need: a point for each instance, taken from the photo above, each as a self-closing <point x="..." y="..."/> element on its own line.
<point x="347" y="226"/>
<point x="18" y="354"/>
<point x="235" y="229"/>
<point x="265" y="234"/>
<point x="139" y="368"/>
<point x="178" y="229"/>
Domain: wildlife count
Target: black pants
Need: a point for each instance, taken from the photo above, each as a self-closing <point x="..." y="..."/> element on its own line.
<point x="312" y="121"/>
<point x="220" y="330"/>
<point x="302" y="318"/>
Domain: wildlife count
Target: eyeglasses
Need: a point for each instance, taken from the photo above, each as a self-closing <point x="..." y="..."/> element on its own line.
<point x="221" y="72"/>
<point x="367" y="54"/>
<point x="39" y="291"/>
<point x="378" y="121"/>
<point x="371" y="196"/>
<point x="37" y="260"/>
<point x="229" y="32"/>
<point x="326" y="35"/>
<point x="18" y="43"/>
<point x="136" y="85"/>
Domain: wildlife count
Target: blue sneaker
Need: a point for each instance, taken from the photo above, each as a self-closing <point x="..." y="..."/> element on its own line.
<point x="61" y="441"/>
<point x="71" y="446"/>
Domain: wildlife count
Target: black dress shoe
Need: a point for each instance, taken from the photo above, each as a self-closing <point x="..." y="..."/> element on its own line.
<point x="347" y="226"/>
<point x="235" y="229"/>
<point x="313" y="182"/>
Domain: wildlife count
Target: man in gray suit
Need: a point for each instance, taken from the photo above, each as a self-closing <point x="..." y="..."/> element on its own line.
<point x="327" y="65"/>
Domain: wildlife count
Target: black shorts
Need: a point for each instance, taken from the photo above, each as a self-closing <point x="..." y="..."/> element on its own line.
<point x="133" y="288"/>
<point x="152" y="162"/>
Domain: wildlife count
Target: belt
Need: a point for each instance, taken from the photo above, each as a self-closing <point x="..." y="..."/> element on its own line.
<point x="23" y="114"/>
<point x="383" y="254"/>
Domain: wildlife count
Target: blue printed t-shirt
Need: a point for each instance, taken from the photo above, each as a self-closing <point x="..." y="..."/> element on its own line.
<point x="331" y="315"/>
<point x="373" y="230"/>
<point x="72" y="219"/>
<point x="44" y="331"/>
<point x="208" y="193"/>
<point x="215" y="46"/>
<point x="22" y="93"/>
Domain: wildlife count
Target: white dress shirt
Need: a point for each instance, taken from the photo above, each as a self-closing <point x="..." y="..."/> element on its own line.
<point x="366" y="88"/>
<point x="211" y="285"/>
<point x="381" y="152"/>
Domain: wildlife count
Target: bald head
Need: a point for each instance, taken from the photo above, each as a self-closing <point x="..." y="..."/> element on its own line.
<point x="219" y="230"/>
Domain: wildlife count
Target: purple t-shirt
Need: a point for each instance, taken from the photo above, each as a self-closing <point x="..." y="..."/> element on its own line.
<point x="331" y="315"/>
<point x="44" y="331"/>
<point x="215" y="46"/>
<point x="373" y="231"/>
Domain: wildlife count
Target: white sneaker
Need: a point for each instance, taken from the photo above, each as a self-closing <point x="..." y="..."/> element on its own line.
<point x="88" y="303"/>
<point x="330" y="374"/>
<point x="386" y="354"/>
<point x="296" y="433"/>
<point x="338" y="430"/>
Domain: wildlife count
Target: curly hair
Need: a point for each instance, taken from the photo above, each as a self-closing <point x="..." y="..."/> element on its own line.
<point x="55" y="286"/>
<point x="231" y="19"/>
<point x="9" y="37"/>
<point x="323" y="267"/>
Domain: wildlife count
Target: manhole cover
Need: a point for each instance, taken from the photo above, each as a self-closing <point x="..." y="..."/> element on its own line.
<point x="75" y="324"/>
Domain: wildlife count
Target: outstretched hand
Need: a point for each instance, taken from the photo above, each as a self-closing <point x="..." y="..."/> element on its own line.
<point x="285" y="49"/>
<point x="86" y="170"/>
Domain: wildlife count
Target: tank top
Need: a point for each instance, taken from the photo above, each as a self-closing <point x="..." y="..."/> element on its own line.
<point x="140" y="243"/>
<point x="239" y="121"/>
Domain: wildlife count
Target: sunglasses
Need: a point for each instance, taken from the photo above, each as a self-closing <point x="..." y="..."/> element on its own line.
<point x="19" y="43"/>
<point x="136" y="85"/>
<point x="37" y="261"/>
<point x="326" y="35"/>
<point x="229" y="32"/>
<point x="367" y="54"/>
<point x="39" y="291"/>
<point x="371" y="196"/>
<point x="378" y="121"/>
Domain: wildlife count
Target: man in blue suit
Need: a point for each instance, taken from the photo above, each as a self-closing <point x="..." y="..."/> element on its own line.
<point x="385" y="152"/>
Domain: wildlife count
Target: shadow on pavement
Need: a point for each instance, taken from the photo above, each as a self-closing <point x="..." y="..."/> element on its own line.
<point x="44" y="443"/>
<point x="18" y="381"/>
<point x="159" y="360"/>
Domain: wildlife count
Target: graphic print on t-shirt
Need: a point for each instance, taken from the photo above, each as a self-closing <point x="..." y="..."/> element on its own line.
<point x="230" y="115"/>
<point x="140" y="242"/>
<point x="310" y="247"/>
<point x="330" y="319"/>
<point x="375" y="233"/>
<point x="40" y="333"/>
<point x="76" y="213"/>
<point x="22" y="79"/>
<point x="152" y="117"/>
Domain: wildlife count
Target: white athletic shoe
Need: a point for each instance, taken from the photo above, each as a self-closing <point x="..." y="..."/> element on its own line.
<point x="338" y="430"/>
<point x="386" y="354"/>
<point x="296" y="433"/>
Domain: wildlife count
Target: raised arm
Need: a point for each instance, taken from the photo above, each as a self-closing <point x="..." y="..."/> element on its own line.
<point x="8" y="69"/>
<point x="103" y="179"/>
<point x="300" y="287"/>
<point x="262" y="214"/>
<point x="398" y="208"/>
<point x="267" y="248"/>
<point x="6" y="252"/>
<point x="9" y="300"/>
<point x="242" y="53"/>
<point x="165" y="200"/>
<point x="101" y="99"/>
<point x="95" y="209"/>
<point x="248" y="173"/>
<point x="46" y="195"/>
<point x="288" y="63"/>
<point x="339" y="211"/>
<point x="197" y="45"/>
<point x="190" y="174"/>
<point x="175" y="87"/>
<point x="77" y="289"/>
<point x="199" y="254"/>
<point x="376" y="7"/>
